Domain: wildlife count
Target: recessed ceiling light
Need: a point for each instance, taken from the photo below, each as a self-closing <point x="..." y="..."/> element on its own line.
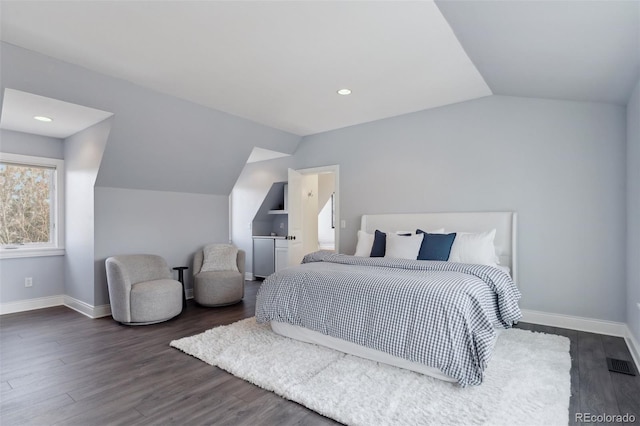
<point x="344" y="92"/>
<point x="43" y="118"/>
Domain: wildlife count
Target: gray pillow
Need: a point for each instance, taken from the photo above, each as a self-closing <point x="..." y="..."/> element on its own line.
<point x="220" y="257"/>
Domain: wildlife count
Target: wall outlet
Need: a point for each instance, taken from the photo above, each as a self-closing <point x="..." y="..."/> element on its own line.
<point x="343" y="224"/>
<point x="28" y="282"/>
<point x="281" y="225"/>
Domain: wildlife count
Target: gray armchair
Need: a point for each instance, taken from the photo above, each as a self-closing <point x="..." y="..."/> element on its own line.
<point x="218" y="288"/>
<point x="142" y="289"/>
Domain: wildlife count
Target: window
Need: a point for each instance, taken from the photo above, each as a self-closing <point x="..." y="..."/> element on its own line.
<point x="31" y="206"/>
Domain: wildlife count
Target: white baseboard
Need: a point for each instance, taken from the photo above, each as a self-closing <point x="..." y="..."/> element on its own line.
<point x="31" y="304"/>
<point x="51" y="301"/>
<point x="248" y="276"/>
<point x="87" y="309"/>
<point x="611" y="328"/>
<point x="590" y="325"/>
<point x="634" y="348"/>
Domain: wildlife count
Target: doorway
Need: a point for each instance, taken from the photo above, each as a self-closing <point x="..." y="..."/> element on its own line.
<point x="312" y="190"/>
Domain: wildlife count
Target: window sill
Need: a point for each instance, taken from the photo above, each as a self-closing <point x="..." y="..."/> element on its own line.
<point x="31" y="252"/>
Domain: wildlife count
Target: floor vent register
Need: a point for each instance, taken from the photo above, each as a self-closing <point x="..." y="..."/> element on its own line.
<point x="620" y="366"/>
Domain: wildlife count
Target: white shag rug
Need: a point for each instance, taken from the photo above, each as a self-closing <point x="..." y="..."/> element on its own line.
<point x="527" y="381"/>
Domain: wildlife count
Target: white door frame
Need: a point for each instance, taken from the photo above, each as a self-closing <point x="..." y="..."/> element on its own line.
<point x="335" y="169"/>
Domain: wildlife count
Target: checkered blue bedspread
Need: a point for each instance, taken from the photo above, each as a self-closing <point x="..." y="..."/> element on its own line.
<point x="441" y="314"/>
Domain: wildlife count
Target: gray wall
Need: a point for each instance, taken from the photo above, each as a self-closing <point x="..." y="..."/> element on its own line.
<point x="83" y="152"/>
<point x="170" y="224"/>
<point x="28" y="144"/>
<point x="560" y="165"/>
<point x="633" y="213"/>
<point x="156" y="143"/>
<point x="47" y="272"/>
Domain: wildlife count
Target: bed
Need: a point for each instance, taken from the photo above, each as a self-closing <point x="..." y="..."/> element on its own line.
<point x="438" y="318"/>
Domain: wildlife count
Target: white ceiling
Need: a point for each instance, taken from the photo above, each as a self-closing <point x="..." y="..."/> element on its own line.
<point x="276" y="63"/>
<point x="281" y="63"/>
<point x="19" y="108"/>
<point x="261" y="154"/>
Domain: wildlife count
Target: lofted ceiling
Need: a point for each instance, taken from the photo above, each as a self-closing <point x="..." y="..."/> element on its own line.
<point x="281" y="63"/>
<point x="19" y="108"/>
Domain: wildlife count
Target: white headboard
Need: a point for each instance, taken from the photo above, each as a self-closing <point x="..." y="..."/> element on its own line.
<point x="503" y="222"/>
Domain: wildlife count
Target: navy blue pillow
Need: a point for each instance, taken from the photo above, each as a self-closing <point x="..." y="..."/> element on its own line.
<point x="435" y="246"/>
<point x="379" y="244"/>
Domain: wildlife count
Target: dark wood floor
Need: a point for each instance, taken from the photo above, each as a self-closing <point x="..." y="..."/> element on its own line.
<point x="59" y="367"/>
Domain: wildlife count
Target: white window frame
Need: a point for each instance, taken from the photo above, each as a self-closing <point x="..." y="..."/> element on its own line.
<point x="56" y="247"/>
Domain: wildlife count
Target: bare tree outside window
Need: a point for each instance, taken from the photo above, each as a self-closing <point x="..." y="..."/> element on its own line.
<point x="26" y="198"/>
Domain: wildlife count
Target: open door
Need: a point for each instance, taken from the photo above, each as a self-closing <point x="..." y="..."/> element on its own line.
<point x="295" y="213"/>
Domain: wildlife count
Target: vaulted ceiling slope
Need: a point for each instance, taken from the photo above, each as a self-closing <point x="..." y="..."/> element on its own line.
<point x="281" y="63"/>
<point x="194" y="86"/>
<point x="573" y="50"/>
<point x="157" y="142"/>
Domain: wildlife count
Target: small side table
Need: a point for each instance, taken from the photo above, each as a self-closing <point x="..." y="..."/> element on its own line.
<point x="181" y="270"/>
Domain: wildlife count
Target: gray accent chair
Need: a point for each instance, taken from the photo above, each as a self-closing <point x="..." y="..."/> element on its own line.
<point x="218" y="288"/>
<point x="142" y="289"/>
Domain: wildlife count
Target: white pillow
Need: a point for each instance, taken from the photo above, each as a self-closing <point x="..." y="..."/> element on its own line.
<point x="474" y="248"/>
<point x="220" y="257"/>
<point x="504" y="269"/>
<point x="365" y="242"/>
<point x="403" y="247"/>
